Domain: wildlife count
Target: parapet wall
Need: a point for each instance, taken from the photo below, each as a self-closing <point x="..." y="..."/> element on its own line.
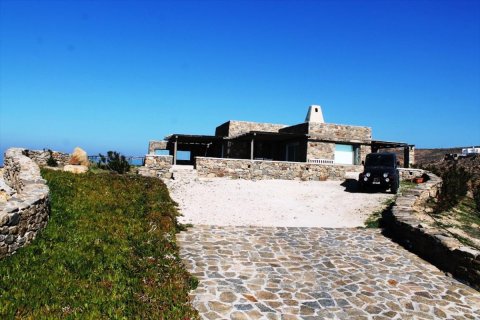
<point x="156" y="166"/>
<point x="263" y="170"/>
<point x="340" y="133"/>
<point x="24" y="209"/>
<point x="407" y="226"/>
<point x="234" y="128"/>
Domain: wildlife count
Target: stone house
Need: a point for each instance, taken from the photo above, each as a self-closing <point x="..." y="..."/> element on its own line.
<point x="312" y="141"/>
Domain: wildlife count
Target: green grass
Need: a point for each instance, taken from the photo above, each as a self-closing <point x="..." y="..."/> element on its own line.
<point x="405" y="185"/>
<point x="374" y="220"/>
<point x="108" y="252"/>
<point x="466" y="218"/>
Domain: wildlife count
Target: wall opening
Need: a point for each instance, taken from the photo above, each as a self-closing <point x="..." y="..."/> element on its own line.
<point x="183" y="155"/>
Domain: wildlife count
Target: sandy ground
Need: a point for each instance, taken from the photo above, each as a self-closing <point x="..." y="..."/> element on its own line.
<point x="276" y="203"/>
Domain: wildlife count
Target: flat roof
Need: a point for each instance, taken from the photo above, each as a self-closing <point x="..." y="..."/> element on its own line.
<point x="389" y="144"/>
<point x="192" y="138"/>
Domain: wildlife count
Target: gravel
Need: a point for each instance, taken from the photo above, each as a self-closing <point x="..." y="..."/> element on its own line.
<point x="278" y="203"/>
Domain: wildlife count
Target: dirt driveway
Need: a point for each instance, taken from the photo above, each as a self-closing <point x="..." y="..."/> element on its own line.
<point x="274" y="203"/>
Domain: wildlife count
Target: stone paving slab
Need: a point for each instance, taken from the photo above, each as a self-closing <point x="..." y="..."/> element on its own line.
<point x="316" y="273"/>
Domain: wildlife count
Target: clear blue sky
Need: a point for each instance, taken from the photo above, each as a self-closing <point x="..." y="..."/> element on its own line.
<point x="112" y="75"/>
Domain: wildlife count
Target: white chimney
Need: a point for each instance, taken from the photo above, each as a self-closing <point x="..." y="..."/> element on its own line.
<point x="314" y="114"/>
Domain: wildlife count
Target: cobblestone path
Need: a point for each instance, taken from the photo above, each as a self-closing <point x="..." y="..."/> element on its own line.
<point x="316" y="273"/>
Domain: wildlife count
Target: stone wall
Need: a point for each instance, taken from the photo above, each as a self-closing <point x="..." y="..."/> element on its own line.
<point x="320" y="150"/>
<point x="40" y="157"/>
<point x="408" y="225"/>
<point x="156" y="145"/>
<point x="364" y="150"/>
<point x="262" y="170"/>
<point x="156" y="166"/>
<point x="340" y="133"/>
<point x="234" y="128"/>
<point x="409" y="173"/>
<point x="25" y="209"/>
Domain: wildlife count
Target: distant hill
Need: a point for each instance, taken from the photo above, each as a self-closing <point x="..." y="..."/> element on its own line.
<point x="424" y="156"/>
<point x="433" y="160"/>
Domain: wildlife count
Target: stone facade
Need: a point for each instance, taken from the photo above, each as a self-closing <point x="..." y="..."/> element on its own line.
<point x="234" y="128"/>
<point x="409" y="225"/>
<point x="40" y="157"/>
<point x="364" y="150"/>
<point x="156" y="166"/>
<point x="320" y="150"/>
<point x="262" y="170"/>
<point x="339" y="133"/>
<point x="26" y="209"/>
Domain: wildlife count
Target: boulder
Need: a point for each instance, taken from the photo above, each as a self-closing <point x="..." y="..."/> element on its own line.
<point x="75" y="168"/>
<point x="79" y="157"/>
<point x="3" y="196"/>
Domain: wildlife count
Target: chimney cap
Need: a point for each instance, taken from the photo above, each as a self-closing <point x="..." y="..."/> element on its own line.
<point x="315" y="114"/>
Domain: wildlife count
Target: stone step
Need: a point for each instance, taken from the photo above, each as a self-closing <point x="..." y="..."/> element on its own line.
<point x="184" y="174"/>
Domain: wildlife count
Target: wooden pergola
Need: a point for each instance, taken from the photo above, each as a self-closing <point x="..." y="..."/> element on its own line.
<point x="377" y="145"/>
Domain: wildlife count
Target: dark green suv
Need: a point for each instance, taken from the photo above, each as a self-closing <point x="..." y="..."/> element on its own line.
<point x="380" y="172"/>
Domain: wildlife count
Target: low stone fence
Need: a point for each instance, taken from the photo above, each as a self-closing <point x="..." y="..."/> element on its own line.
<point x="156" y="166"/>
<point x="408" y="226"/>
<point x="24" y="207"/>
<point x="41" y="157"/>
<point x="410" y="173"/>
<point x="261" y="169"/>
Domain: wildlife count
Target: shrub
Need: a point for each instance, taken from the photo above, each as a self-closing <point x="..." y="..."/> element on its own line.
<point x="454" y="187"/>
<point x="476" y="197"/>
<point x="51" y="162"/>
<point x="114" y="161"/>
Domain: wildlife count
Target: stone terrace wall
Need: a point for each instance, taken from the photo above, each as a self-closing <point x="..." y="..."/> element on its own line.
<point x="336" y="132"/>
<point x="262" y="170"/>
<point x="235" y="128"/>
<point x="26" y="209"/>
<point x="40" y="157"/>
<point x="156" y="166"/>
<point x="431" y="243"/>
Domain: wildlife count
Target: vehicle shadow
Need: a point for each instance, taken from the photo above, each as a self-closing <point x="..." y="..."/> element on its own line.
<point x="352" y="186"/>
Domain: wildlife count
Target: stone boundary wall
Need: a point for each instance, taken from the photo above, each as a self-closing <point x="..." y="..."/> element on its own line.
<point x="40" y="157"/>
<point x="26" y="208"/>
<point x="263" y="170"/>
<point x="409" y="174"/>
<point x="433" y="244"/>
<point x="156" y="166"/>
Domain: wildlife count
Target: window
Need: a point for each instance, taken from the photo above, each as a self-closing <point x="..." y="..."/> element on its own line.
<point x="162" y="152"/>
<point x="344" y="154"/>
<point x="292" y="151"/>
